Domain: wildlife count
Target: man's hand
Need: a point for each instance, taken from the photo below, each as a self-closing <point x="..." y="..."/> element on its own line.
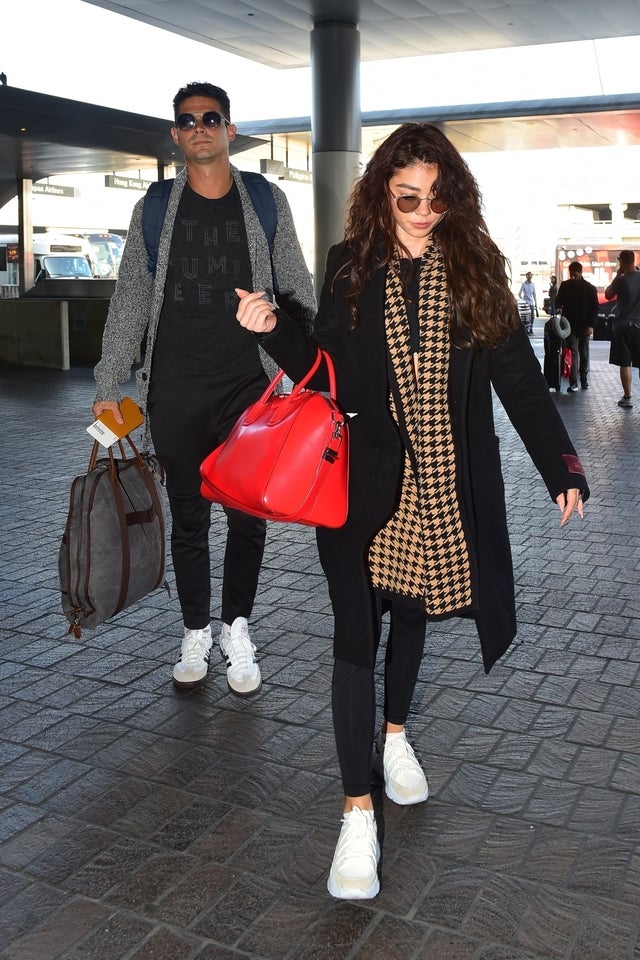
<point x="101" y="405"/>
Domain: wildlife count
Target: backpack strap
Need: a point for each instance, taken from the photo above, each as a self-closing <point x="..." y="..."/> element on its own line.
<point x="155" y="208"/>
<point x="153" y="214"/>
<point x="265" y="206"/>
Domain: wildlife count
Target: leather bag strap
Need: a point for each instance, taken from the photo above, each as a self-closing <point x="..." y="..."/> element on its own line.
<point x="287" y="399"/>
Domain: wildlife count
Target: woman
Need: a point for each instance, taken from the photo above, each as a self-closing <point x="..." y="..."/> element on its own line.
<point x="418" y="317"/>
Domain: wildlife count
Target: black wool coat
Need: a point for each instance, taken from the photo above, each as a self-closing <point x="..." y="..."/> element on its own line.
<point x="363" y="384"/>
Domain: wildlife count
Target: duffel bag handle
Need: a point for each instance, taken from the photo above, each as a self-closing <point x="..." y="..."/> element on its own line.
<point x="109" y="450"/>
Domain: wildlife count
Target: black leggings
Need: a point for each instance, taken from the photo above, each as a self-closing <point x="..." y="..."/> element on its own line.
<point x="353" y="696"/>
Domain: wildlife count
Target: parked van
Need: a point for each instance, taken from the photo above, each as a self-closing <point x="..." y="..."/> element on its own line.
<point x="55" y="256"/>
<point x="61" y="266"/>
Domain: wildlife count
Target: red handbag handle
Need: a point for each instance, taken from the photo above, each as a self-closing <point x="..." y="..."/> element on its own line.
<point x="332" y="374"/>
<point x="298" y="388"/>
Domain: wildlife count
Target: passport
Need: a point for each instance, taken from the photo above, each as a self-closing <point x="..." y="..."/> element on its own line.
<point x="106" y="430"/>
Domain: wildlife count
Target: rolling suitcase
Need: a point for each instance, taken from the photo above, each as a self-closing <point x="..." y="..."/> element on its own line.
<point x="113" y="549"/>
<point x="551" y="367"/>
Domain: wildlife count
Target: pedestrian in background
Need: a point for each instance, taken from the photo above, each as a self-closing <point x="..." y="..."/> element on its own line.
<point x="417" y="314"/>
<point x="625" y="335"/>
<point x="528" y="293"/>
<point x="553" y="293"/>
<point x="201" y="370"/>
<point x="578" y="300"/>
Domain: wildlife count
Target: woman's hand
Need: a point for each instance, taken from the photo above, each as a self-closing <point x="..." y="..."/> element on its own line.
<point x="254" y="312"/>
<point x="569" y="501"/>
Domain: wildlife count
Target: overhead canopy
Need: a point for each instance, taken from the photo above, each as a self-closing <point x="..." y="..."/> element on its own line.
<point x="603" y="121"/>
<point x="43" y="136"/>
<point x="276" y="32"/>
<point x="333" y="36"/>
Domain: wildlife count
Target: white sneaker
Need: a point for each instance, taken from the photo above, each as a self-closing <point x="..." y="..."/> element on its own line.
<point x="243" y="673"/>
<point x="354" y="870"/>
<point x="394" y="759"/>
<point x="191" y="670"/>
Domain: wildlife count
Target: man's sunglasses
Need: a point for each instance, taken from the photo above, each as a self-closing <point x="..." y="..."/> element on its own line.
<point x="410" y="202"/>
<point x="211" y="119"/>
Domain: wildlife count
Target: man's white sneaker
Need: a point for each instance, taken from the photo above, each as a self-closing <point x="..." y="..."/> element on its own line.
<point x="354" y="870"/>
<point x="243" y="673"/>
<point x="394" y="759"/>
<point x="191" y="669"/>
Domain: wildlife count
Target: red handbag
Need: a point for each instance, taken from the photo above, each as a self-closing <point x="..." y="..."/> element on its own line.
<point x="286" y="458"/>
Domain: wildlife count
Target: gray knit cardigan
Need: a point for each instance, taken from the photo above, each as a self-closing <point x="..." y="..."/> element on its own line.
<point x="137" y="300"/>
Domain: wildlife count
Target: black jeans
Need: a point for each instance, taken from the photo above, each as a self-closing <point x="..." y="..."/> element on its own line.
<point x="187" y="421"/>
<point x="579" y="346"/>
<point x="353" y="696"/>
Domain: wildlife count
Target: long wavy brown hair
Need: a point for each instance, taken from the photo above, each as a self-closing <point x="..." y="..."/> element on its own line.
<point x="485" y="308"/>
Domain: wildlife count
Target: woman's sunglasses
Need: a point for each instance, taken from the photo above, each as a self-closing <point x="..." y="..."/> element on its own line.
<point x="409" y="202"/>
<point x="211" y="119"/>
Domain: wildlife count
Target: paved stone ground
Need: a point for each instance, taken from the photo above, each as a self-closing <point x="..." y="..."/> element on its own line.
<point x="137" y="823"/>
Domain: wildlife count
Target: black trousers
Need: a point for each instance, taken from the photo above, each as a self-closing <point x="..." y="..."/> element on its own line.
<point x="353" y="696"/>
<point x="579" y="346"/>
<point x="187" y="421"/>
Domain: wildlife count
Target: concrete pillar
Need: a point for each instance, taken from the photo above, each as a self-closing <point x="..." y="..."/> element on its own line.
<point x="65" y="356"/>
<point x="617" y="220"/>
<point x="335" y="130"/>
<point x="25" y="234"/>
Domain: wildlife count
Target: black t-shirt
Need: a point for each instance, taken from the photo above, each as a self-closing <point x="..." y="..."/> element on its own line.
<point x="198" y="334"/>
<point x="626" y="287"/>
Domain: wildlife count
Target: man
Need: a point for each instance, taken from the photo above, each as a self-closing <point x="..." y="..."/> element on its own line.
<point x="624" y="338"/>
<point x="201" y="370"/>
<point x="553" y="293"/>
<point x="578" y="301"/>
<point x="528" y="293"/>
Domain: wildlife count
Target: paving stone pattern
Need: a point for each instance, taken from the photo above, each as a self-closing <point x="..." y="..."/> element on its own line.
<point x="139" y="823"/>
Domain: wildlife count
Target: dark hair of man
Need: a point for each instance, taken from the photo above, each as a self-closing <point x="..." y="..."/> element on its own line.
<point x="208" y="90"/>
<point x="627" y="257"/>
<point x="575" y="268"/>
<point x="485" y="308"/>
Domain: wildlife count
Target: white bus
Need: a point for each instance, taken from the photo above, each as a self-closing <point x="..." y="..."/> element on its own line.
<point x="55" y="256"/>
<point x="106" y="253"/>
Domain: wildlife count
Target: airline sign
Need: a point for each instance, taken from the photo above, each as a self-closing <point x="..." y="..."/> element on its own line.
<point x="53" y="190"/>
<point x="278" y="169"/>
<point x="126" y="183"/>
